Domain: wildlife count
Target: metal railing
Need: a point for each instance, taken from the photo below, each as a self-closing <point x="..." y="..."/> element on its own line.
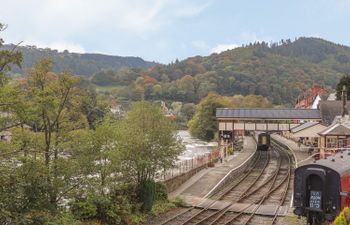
<point x="184" y="166"/>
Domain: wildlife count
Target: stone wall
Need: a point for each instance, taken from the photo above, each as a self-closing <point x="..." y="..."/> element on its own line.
<point x="175" y="182"/>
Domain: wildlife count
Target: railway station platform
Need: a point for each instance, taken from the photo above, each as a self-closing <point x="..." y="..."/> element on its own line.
<point x="198" y="186"/>
<point x="301" y="154"/>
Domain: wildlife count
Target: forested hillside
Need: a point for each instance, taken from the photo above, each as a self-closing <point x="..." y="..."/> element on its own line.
<point x="279" y="71"/>
<point x="80" y="64"/>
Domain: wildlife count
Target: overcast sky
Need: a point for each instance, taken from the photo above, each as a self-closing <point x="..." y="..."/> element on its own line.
<point x="164" y="30"/>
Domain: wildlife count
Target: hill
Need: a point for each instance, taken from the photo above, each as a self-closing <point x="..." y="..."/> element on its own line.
<point x="81" y="64"/>
<point x="279" y="71"/>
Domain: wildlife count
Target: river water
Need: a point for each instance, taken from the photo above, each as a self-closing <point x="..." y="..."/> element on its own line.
<point x="194" y="147"/>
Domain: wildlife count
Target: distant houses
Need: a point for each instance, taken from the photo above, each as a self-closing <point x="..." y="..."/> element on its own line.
<point x="333" y="132"/>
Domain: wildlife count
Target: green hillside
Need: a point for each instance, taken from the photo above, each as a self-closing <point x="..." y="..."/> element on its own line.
<point x="80" y="64"/>
<point x="279" y="71"/>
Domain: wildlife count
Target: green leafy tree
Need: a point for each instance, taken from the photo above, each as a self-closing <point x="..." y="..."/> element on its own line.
<point x="8" y="58"/>
<point x="46" y="163"/>
<point x="147" y="142"/>
<point x="344" y="81"/>
<point x="203" y="125"/>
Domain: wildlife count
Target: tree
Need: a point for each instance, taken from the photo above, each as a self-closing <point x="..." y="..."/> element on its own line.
<point x="8" y="58"/>
<point x="203" y="125"/>
<point x="55" y="108"/>
<point x="344" y="81"/>
<point x="147" y="142"/>
<point x="53" y="165"/>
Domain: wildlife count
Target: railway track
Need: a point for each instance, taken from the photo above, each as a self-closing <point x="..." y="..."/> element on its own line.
<point x="266" y="181"/>
<point x="278" y="188"/>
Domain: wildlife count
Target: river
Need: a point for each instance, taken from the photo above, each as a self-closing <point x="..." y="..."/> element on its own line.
<point x="194" y="147"/>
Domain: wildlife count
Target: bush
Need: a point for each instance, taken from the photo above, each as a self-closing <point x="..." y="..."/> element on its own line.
<point x="343" y="218"/>
<point x="63" y="219"/>
<point x="137" y="218"/>
<point x="111" y="209"/>
<point x="179" y="202"/>
<point x="146" y="194"/>
<point x="161" y="207"/>
<point x="84" y="210"/>
<point x="161" y="192"/>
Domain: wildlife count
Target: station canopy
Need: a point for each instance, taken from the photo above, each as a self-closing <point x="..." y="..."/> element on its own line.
<point x="268" y="114"/>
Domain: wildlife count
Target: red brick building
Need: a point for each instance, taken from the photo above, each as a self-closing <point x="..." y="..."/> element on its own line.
<point x="306" y="99"/>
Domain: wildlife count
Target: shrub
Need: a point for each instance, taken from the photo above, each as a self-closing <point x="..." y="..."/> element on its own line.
<point x="84" y="210"/>
<point x="109" y="209"/>
<point x="161" y="192"/>
<point x="161" y="207"/>
<point x="179" y="202"/>
<point x="146" y="194"/>
<point x="343" y="218"/>
<point x="63" y="219"/>
<point x="347" y="214"/>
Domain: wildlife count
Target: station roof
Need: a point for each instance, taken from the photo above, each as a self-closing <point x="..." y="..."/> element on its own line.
<point x="268" y="113"/>
<point x="303" y="126"/>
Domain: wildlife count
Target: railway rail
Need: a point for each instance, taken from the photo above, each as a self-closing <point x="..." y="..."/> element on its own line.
<point x="256" y="186"/>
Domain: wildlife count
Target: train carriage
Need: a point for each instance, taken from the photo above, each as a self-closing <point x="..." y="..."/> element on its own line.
<point x="321" y="189"/>
<point x="263" y="142"/>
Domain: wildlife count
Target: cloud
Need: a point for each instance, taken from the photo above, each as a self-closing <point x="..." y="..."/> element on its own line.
<point x="50" y="21"/>
<point x="72" y="16"/>
<point x="223" y="47"/>
<point x="58" y="45"/>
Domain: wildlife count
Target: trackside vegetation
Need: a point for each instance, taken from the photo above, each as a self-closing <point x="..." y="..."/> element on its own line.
<point x="65" y="159"/>
<point x="343" y="218"/>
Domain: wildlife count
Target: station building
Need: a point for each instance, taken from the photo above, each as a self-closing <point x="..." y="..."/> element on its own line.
<point x="325" y="129"/>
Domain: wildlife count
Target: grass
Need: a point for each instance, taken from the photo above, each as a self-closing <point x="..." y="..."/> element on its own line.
<point x="161" y="207"/>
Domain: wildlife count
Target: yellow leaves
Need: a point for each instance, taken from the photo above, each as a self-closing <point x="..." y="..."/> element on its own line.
<point x="343" y="218"/>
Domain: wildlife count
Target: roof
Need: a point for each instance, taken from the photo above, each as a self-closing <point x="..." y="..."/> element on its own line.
<point x="336" y="130"/>
<point x="324" y="96"/>
<point x="303" y="126"/>
<point x="330" y="109"/>
<point x="339" y="127"/>
<point x="332" y="97"/>
<point x="268" y="113"/>
<point x="338" y="162"/>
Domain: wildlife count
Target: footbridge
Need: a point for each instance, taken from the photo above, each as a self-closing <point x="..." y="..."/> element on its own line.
<point x="263" y="119"/>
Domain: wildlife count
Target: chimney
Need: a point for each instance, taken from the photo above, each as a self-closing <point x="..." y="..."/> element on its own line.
<point x="343" y="96"/>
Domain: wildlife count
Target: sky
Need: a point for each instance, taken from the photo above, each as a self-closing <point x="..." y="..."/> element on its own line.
<point x="166" y="30"/>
